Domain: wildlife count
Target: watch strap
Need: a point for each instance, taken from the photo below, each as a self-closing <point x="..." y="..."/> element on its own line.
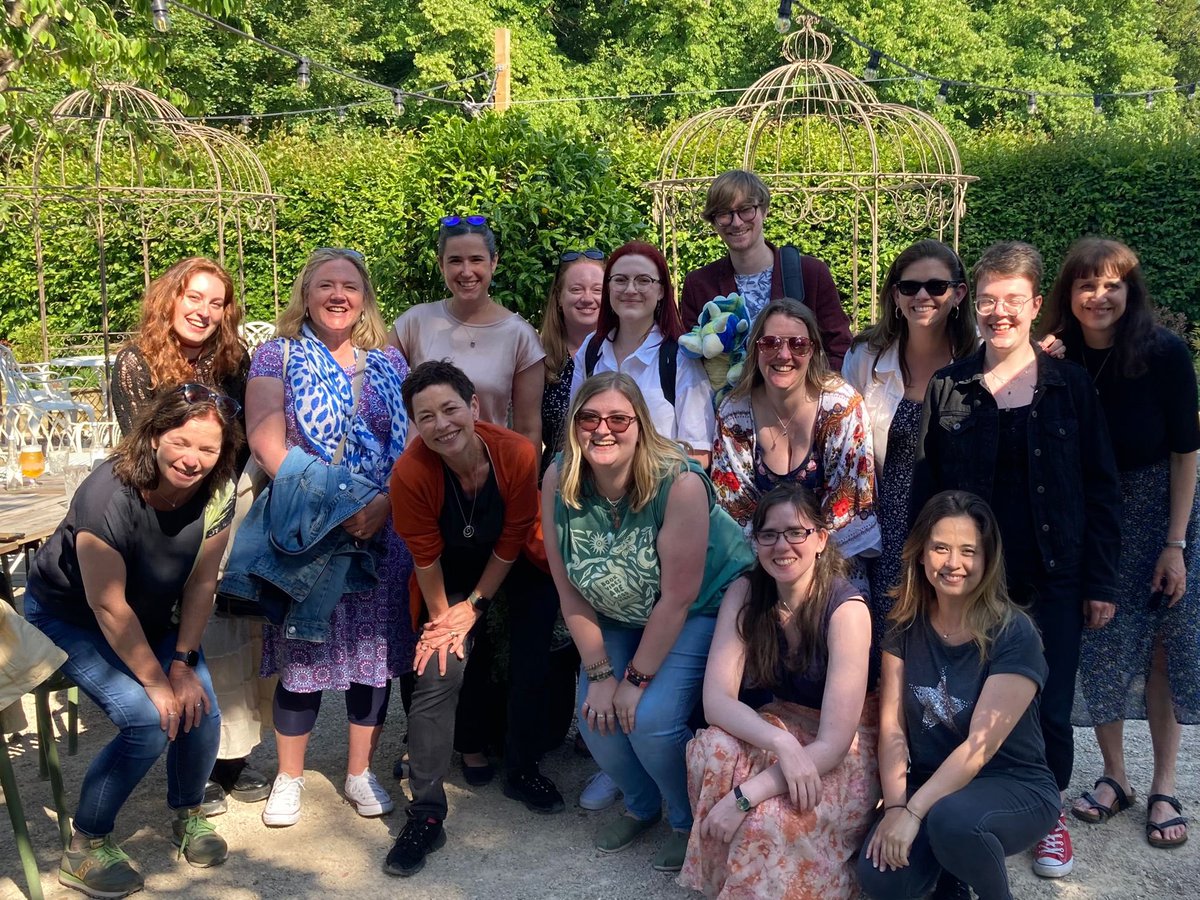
<point x="743" y="802"/>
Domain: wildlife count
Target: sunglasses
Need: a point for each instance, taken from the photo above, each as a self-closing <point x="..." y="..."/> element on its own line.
<point x="451" y="221"/>
<point x="345" y="251"/>
<point x="799" y="346"/>
<point x="618" y="423"/>
<point x="934" y="287"/>
<point x="202" y="393"/>
<point x="589" y="253"/>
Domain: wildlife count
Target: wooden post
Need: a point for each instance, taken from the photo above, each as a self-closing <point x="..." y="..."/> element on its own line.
<point x="503" y="98"/>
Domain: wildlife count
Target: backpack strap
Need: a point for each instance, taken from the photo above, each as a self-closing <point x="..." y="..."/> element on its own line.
<point x="668" y="361"/>
<point x="591" y="355"/>
<point x="793" y="275"/>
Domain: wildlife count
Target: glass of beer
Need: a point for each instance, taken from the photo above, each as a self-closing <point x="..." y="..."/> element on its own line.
<point x="32" y="462"/>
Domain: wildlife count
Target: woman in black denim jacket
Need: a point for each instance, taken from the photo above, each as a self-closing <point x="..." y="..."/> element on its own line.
<point x="1026" y="432"/>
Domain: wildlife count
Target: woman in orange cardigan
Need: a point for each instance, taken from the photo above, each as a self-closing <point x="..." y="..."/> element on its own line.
<point x="465" y="500"/>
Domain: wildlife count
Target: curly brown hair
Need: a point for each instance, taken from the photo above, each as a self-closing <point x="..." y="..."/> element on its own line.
<point x="157" y="339"/>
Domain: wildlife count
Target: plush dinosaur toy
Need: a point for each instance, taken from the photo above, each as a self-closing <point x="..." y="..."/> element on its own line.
<point x="719" y="340"/>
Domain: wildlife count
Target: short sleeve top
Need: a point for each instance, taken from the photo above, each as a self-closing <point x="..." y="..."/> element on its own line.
<point x="611" y="553"/>
<point x="492" y="355"/>
<point x="159" y="547"/>
<point x="942" y="683"/>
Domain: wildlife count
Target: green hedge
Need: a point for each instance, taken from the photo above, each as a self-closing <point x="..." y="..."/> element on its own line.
<point x="546" y="189"/>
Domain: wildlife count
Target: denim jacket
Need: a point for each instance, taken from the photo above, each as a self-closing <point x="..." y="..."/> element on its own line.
<point x="290" y="549"/>
<point x="1074" y="491"/>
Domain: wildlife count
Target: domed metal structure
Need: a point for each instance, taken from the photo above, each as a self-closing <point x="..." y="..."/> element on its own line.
<point x="833" y="155"/>
<point x="126" y="169"/>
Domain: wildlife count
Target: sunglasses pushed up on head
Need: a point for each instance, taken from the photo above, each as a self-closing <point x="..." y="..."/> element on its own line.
<point x="202" y="393"/>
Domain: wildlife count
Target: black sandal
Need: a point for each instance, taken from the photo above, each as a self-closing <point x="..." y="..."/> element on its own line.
<point x="1152" y="827"/>
<point x="1098" y="813"/>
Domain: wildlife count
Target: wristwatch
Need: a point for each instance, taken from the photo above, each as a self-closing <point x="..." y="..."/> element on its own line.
<point x="188" y="657"/>
<point x="742" y="801"/>
<point x="1182" y="545"/>
<point x="479" y="601"/>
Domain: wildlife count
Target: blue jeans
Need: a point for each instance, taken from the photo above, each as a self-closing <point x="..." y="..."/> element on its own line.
<point x="648" y="765"/>
<point x="118" y="768"/>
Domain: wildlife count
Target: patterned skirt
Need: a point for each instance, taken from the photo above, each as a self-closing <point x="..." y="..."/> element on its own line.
<point x="1114" y="661"/>
<point x="780" y="853"/>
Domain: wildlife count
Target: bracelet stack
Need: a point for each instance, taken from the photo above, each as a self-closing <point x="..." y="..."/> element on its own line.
<point x="599" y="671"/>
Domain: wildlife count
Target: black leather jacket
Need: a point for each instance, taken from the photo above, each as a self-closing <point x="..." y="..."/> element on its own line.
<point x="1074" y="491"/>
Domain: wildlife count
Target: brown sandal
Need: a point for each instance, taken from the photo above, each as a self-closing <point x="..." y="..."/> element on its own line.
<point x="1152" y="827"/>
<point x="1098" y="813"/>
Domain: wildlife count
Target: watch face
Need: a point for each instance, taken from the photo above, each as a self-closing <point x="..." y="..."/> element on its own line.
<point x="189" y="658"/>
<point x="743" y="804"/>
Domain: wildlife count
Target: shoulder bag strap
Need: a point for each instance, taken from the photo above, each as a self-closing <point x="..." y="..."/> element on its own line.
<point x="591" y="355"/>
<point x="668" y="360"/>
<point x="793" y="275"/>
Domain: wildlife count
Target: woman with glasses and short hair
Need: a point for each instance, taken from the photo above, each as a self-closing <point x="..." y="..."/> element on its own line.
<point x="328" y="388"/>
<point x="637" y="333"/>
<point x="497" y="348"/>
<point x="1026" y="432"/>
<point x="790" y="419"/>
<point x="625" y="511"/>
<point x="796" y="782"/>
<point x="125" y="586"/>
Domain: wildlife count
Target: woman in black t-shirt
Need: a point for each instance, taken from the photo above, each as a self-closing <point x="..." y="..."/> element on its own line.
<point x="794" y="782"/>
<point x="125" y="586"/>
<point x="961" y="755"/>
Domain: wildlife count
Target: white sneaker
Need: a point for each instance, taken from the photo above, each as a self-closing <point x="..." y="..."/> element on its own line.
<point x="600" y="792"/>
<point x="368" y="795"/>
<point x="283" y="806"/>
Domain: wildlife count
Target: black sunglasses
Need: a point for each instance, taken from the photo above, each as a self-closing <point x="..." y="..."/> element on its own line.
<point x="589" y="253"/>
<point x="934" y="287"/>
<point x="202" y="393"/>
<point x="451" y="221"/>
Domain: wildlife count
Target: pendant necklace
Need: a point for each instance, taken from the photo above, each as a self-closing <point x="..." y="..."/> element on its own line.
<point x="614" y="511"/>
<point x="165" y="498"/>
<point x="1107" y="357"/>
<point x="469" y="529"/>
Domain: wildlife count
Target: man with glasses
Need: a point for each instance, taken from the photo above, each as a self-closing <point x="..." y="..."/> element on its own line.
<point x="736" y="205"/>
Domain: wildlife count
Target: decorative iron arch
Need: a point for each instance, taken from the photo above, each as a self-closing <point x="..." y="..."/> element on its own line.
<point x="829" y="150"/>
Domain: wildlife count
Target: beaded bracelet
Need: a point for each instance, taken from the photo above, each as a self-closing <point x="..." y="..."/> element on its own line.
<point x="602" y="675"/>
<point x="596" y="666"/>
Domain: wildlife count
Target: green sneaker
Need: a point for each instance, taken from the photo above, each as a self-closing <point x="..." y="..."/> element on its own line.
<point x="102" y="869"/>
<point x="670" y="856"/>
<point x="197" y="840"/>
<point x="623" y="831"/>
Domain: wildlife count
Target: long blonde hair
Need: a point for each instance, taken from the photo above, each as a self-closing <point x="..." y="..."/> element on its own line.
<point x="654" y="457"/>
<point x="370" y="331"/>
<point x="816" y="379"/>
<point x="988" y="609"/>
<point x="554" y="324"/>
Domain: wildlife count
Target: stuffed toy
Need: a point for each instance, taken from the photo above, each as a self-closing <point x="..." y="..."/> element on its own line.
<point x="719" y="340"/>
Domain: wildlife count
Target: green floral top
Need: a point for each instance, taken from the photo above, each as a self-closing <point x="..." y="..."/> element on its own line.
<point x="611" y="553"/>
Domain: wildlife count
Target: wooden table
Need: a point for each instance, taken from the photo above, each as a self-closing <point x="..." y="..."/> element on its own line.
<point x="26" y="519"/>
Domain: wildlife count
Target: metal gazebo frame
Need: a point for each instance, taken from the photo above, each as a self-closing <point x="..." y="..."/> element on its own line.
<point x="829" y="150"/>
<point x="121" y="151"/>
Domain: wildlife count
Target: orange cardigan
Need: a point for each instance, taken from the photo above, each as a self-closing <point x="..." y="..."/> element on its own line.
<point x="418" y="491"/>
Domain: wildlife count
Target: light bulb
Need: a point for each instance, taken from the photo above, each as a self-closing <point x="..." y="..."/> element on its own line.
<point x="158" y="9"/>
<point x="302" y="77"/>
<point x="398" y="102"/>
<point x="1032" y="105"/>
<point x="1149" y="101"/>
<point x="341" y="114"/>
<point x="1097" y="104"/>
<point x="871" y="72"/>
<point x="784" y="22"/>
<point x="940" y="99"/>
<point x="244" y="127"/>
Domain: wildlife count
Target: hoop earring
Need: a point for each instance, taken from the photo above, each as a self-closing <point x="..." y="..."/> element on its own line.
<point x="896" y="309"/>
<point x="954" y="313"/>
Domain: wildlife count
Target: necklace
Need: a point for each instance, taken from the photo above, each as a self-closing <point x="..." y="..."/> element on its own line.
<point x="614" y="511"/>
<point x="469" y="529"/>
<point x="1016" y="381"/>
<point x="1088" y="366"/>
<point x="165" y="498"/>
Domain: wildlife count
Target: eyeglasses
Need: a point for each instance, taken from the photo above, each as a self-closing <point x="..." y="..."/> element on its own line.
<point x="934" y="287"/>
<point x="744" y="214"/>
<point x="641" y="283"/>
<point x="791" y="535"/>
<point x="799" y="346"/>
<point x="202" y="393"/>
<point x="1009" y="306"/>
<point x="618" y="423"/>
<point x="451" y="221"/>
<point x="590" y="253"/>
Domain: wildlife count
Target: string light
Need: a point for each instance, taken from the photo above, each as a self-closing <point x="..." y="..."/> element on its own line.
<point x="244" y="127"/>
<point x="398" y="102"/>
<point x="158" y="9"/>
<point x="1031" y="107"/>
<point x="302" y="77"/>
<point x="871" y="72"/>
<point x="784" y="22"/>
<point x="943" y="91"/>
<point x="1097" y="104"/>
<point x="341" y="114"/>
<point x="1149" y="101"/>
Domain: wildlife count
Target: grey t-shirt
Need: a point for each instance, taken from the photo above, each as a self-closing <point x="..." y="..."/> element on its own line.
<point x="942" y="684"/>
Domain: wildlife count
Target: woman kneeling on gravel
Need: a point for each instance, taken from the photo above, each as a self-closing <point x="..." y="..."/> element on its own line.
<point x="125" y="586"/>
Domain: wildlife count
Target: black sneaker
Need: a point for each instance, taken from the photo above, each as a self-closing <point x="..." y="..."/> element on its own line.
<point x="419" y="838"/>
<point x="240" y="781"/>
<point x="535" y="790"/>
<point x="214" y="803"/>
<point x="950" y="888"/>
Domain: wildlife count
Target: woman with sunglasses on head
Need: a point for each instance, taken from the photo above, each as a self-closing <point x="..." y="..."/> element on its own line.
<point x="189" y="333"/>
<point x="922" y="327"/>
<point x="961" y="756"/>
<point x="1143" y="664"/>
<point x="1025" y="432"/>
<point x="637" y="333"/>
<point x="625" y="511"/>
<point x="790" y="419"/>
<point x="497" y="349"/>
<point x="568" y="320"/>
<point x="125" y="586"/>
<point x="795" y="782"/>
<point x="328" y="389"/>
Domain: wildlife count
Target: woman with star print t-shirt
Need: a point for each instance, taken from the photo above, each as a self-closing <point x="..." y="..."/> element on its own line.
<point x="962" y="761"/>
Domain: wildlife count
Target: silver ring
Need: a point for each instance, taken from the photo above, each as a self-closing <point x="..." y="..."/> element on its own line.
<point x="171" y="715"/>
<point x="198" y="705"/>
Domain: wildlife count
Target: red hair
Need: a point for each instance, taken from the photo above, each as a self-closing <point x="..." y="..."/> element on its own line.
<point x="667" y="316"/>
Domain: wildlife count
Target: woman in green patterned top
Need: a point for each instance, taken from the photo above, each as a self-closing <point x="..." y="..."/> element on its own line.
<point x="625" y="512"/>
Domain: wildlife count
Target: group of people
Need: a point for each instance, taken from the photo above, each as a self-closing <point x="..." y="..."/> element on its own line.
<point x="841" y="624"/>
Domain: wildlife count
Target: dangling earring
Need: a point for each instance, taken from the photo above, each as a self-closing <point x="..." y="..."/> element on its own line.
<point x="897" y="310"/>
<point x="954" y="313"/>
<point x="819" y="552"/>
<point x="306" y="315"/>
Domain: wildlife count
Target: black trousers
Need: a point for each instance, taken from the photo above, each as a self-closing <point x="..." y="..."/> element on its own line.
<point x="968" y="834"/>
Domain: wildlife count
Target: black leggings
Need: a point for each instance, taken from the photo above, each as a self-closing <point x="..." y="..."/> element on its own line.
<point x="296" y="714"/>
<point x="968" y="834"/>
